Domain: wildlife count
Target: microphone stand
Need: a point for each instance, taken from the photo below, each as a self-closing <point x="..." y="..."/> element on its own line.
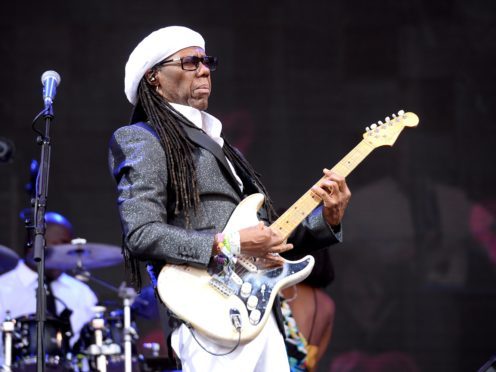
<point x="40" y="201"/>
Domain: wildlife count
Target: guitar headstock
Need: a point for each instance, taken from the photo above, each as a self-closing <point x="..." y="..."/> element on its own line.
<point x="386" y="133"/>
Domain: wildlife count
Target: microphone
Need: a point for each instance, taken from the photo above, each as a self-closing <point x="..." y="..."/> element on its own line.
<point x="50" y="79"/>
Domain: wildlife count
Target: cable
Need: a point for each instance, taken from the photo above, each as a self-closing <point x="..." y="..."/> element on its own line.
<point x="35" y="120"/>
<point x="210" y="352"/>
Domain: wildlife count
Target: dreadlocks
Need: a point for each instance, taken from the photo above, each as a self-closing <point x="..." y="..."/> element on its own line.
<point x="178" y="149"/>
<point x="183" y="186"/>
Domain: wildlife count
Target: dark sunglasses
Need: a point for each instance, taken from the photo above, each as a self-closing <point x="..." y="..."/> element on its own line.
<point x="191" y="63"/>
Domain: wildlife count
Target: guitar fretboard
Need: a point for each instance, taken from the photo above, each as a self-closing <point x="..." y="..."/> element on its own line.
<point x="288" y="221"/>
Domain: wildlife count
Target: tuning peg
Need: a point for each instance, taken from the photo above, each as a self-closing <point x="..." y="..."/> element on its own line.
<point x="401" y="113"/>
<point x="387" y="119"/>
<point x="367" y="129"/>
<point x="373" y="126"/>
<point x="380" y="122"/>
<point x="394" y="116"/>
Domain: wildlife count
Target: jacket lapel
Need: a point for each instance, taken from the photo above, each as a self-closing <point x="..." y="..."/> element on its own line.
<point x="203" y="140"/>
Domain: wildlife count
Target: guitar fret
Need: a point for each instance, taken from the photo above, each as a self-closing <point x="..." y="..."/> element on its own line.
<point x="353" y="158"/>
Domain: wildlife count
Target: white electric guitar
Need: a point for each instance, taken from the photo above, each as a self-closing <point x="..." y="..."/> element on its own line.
<point x="232" y="306"/>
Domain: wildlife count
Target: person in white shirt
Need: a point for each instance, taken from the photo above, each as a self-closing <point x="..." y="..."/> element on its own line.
<point x="73" y="298"/>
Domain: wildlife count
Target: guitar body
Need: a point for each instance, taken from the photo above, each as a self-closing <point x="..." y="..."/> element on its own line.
<point x="208" y="301"/>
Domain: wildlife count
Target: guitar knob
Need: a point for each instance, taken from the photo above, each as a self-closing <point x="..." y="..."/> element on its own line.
<point x="245" y="290"/>
<point x="252" y="302"/>
<point x="255" y="316"/>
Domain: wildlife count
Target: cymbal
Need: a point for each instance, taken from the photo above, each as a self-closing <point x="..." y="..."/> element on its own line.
<point x="8" y="259"/>
<point x="86" y="255"/>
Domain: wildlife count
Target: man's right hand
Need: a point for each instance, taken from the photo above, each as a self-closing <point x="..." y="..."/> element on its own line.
<point x="261" y="241"/>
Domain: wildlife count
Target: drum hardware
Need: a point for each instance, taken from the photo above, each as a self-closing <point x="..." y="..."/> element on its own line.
<point x="155" y="362"/>
<point x="78" y="258"/>
<point x="99" y="350"/>
<point x="128" y="295"/>
<point x="154" y="347"/>
<point x="102" y="342"/>
<point x="7" y="330"/>
<point x="81" y="254"/>
<point x="21" y="351"/>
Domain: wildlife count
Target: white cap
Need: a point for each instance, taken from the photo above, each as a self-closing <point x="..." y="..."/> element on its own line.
<point x="154" y="48"/>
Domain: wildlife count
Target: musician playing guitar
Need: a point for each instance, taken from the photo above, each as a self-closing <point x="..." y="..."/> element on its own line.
<point x="178" y="183"/>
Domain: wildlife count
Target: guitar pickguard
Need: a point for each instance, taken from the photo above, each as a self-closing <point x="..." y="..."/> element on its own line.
<point x="253" y="282"/>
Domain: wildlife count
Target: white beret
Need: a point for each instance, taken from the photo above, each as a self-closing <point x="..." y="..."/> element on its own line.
<point x="154" y="48"/>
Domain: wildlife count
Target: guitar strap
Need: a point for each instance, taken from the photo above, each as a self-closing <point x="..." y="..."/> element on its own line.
<point x="276" y="309"/>
<point x="202" y="139"/>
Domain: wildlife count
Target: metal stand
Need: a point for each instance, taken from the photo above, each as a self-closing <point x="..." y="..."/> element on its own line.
<point x="101" y="360"/>
<point x="100" y="350"/>
<point x="7" y="330"/>
<point x="40" y="202"/>
<point x="128" y="295"/>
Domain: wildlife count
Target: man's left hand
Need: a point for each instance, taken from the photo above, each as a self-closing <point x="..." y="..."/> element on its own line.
<point x="335" y="196"/>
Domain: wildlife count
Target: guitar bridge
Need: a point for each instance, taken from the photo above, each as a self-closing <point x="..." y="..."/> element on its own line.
<point x="221" y="287"/>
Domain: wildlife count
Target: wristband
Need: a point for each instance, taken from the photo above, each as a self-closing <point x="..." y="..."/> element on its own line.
<point x="229" y="244"/>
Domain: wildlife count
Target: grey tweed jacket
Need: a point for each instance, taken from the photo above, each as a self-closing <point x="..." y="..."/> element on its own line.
<point x="152" y="232"/>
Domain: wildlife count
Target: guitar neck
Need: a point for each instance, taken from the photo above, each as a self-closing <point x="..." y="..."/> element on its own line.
<point x="290" y="219"/>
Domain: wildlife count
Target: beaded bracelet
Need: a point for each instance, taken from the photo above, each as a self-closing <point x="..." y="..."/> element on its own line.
<point x="234" y="243"/>
<point x="229" y="244"/>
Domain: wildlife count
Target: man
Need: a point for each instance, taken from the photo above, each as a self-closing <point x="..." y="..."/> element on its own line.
<point x="179" y="180"/>
<point x="71" y="297"/>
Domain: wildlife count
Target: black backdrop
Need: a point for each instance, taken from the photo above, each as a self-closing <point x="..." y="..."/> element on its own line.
<point x="296" y="86"/>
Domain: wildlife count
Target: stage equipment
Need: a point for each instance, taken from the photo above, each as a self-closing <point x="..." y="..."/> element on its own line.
<point x="50" y="80"/>
<point x="81" y="255"/>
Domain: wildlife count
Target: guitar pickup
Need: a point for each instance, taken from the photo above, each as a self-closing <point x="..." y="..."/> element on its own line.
<point x="236" y="279"/>
<point x="247" y="264"/>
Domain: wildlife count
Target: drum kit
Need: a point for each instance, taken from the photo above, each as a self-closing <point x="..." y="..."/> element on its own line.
<point x="107" y="343"/>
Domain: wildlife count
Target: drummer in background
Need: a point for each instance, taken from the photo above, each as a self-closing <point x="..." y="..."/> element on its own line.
<point x="72" y="297"/>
